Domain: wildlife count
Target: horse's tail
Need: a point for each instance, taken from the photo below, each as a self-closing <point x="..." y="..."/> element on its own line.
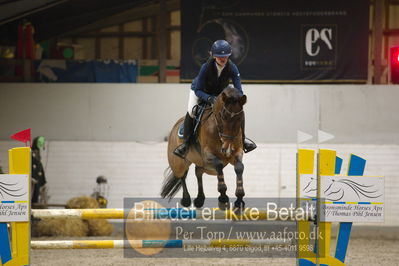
<point x="171" y="184"/>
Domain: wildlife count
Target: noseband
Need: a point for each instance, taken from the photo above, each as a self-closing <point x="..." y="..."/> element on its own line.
<point x="232" y="114"/>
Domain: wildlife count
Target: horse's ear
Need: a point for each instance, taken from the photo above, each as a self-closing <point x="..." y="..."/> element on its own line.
<point x="243" y="99"/>
<point x="224" y="97"/>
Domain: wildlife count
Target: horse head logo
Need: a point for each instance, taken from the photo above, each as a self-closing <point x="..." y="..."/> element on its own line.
<point x="339" y="188"/>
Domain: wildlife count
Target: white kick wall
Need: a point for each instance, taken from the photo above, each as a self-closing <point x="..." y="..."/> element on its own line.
<point x="145" y="112"/>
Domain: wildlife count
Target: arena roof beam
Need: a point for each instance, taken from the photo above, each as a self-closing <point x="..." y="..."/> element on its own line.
<point x="14" y="10"/>
<point x="125" y="16"/>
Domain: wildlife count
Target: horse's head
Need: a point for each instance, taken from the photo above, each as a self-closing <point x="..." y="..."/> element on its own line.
<point x="229" y="114"/>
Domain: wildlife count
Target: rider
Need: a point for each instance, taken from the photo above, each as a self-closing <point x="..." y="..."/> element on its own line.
<point x="214" y="76"/>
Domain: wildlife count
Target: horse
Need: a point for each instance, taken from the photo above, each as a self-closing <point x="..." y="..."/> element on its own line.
<point x="219" y="142"/>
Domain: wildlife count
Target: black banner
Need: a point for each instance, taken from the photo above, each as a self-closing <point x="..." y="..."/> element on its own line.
<point x="280" y="40"/>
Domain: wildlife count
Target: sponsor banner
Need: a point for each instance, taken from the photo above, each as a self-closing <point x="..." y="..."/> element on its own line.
<point x="280" y="41"/>
<point x="14" y="198"/>
<point x="352" y="198"/>
<point x="346" y="198"/>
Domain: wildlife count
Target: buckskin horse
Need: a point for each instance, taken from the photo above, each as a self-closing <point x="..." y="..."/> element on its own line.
<point x="218" y="143"/>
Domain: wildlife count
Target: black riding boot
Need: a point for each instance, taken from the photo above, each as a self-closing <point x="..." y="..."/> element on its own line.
<point x="181" y="150"/>
<point x="248" y="144"/>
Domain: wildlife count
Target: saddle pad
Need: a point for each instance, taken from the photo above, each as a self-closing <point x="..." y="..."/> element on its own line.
<point x="180" y="132"/>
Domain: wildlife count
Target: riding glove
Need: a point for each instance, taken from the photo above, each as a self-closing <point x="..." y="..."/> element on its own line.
<point x="211" y="99"/>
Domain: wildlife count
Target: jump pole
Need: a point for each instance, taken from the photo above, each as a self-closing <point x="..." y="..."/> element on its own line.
<point x="120" y="244"/>
<point x="172" y="213"/>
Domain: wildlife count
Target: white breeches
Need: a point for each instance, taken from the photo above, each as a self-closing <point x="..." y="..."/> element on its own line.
<point x="192" y="101"/>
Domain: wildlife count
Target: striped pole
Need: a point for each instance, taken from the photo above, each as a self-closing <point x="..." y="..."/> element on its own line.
<point x="249" y="214"/>
<point x="119" y="244"/>
<point x="79" y="213"/>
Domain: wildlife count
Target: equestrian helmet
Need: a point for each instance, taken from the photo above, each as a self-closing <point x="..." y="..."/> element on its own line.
<point x="221" y="48"/>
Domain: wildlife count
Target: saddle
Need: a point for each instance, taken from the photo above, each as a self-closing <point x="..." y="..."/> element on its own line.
<point x="198" y="112"/>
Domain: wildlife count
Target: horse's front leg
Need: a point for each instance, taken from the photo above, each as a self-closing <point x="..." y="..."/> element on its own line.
<point x="186" y="200"/>
<point x="239" y="169"/>
<point x="222" y="188"/>
<point x="199" y="201"/>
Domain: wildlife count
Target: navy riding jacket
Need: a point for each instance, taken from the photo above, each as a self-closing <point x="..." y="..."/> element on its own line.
<point x="207" y="83"/>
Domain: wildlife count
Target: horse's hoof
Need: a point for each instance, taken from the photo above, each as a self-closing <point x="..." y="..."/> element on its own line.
<point x="239" y="205"/>
<point x="223" y="198"/>
<point x="223" y="205"/>
<point x="185" y="202"/>
<point x="223" y="202"/>
<point x="199" y="202"/>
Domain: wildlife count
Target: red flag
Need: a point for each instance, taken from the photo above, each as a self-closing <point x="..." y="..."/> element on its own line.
<point x="23" y="136"/>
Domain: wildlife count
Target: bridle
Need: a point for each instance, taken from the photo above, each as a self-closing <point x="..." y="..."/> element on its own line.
<point x="218" y="124"/>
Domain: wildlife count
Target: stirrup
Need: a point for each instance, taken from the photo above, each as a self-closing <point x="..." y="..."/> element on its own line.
<point x="249" y="145"/>
<point x="181" y="151"/>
